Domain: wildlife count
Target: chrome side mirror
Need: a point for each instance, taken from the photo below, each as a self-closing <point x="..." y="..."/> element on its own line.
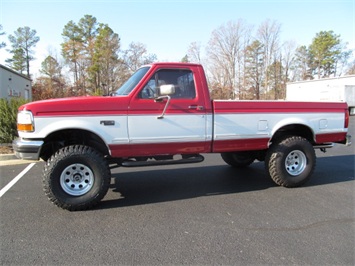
<point x="168" y="89"/>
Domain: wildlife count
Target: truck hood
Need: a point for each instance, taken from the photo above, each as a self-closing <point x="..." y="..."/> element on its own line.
<point x="91" y="105"/>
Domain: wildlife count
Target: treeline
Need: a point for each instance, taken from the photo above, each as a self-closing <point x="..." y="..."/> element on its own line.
<point x="91" y="62"/>
<point x="241" y="61"/>
<point x="245" y="62"/>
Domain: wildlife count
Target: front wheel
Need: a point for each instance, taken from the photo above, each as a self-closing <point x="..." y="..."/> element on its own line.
<point x="76" y="177"/>
<point x="291" y="161"/>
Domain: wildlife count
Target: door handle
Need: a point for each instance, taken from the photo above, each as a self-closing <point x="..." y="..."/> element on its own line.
<point x="197" y="107"/>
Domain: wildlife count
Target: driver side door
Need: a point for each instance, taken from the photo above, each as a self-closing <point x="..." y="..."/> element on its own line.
<point x="167" y="124"/>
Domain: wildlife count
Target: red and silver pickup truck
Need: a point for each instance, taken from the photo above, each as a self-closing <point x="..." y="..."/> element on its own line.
<point x="163" y="115"/>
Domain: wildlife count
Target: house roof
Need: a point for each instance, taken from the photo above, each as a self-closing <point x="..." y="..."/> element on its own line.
<point x="14" y="72"/>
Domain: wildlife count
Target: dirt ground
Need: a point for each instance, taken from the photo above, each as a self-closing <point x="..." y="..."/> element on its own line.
<point x="6" y="150"/>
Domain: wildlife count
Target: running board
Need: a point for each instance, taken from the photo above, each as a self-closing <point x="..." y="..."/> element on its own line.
<point x="195" y="159"/>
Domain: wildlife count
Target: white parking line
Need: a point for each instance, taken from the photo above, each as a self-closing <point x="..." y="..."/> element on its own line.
<point x="17" y="178"/>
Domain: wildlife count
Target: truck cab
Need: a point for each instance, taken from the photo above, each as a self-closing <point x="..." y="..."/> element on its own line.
<point x="169" y="106"/>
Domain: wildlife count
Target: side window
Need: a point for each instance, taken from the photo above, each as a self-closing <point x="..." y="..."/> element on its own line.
<point x="182" y="80"/>
<point x="186" y="86"/>
<point x="149" y="90"/>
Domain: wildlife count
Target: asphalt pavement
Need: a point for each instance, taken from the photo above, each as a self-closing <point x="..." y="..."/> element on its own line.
<point x="198" y="214"/>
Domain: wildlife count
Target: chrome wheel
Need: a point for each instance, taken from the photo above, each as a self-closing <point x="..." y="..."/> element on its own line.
<point x="295" y="162"/>
<point x="290" y="161"/>
<point x="77" y="179"/>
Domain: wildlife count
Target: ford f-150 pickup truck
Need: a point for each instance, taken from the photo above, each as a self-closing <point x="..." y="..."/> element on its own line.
<point x="163" y="114"/>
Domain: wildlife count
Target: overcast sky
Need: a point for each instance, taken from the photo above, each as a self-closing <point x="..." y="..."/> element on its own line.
<point x="167" y="27"/>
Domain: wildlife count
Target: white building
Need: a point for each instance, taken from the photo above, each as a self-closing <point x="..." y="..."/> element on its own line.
<point x="340" y="89"/>
<point x="13" y="84"/>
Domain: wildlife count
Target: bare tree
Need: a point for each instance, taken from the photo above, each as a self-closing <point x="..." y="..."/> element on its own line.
<point x="351" y="69"/>
<point x="288" y="59"/>
<point x="225" y="50"/>
<point x="268" y="34"/>
<point x="194" y="52"/>
<point x="136" y="55"/>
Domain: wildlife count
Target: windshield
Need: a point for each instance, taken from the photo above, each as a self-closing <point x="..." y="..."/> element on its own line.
<point x="132" y="82"/>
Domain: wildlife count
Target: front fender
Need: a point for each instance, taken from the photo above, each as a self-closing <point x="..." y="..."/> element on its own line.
<point x="112" y="132"/>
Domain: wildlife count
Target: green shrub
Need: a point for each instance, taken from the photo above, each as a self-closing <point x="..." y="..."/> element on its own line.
<point x="8" y="115"/>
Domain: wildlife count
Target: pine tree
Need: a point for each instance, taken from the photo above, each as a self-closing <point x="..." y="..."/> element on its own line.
<point x="72" y="48"/>
<point x="324" y="51"/>
<point x="254" y="67"/>
<point x="22" y="43"/>
<point x="2" y="44"/>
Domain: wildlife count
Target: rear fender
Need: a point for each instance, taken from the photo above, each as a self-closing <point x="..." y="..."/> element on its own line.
<point x="294" y="126"/>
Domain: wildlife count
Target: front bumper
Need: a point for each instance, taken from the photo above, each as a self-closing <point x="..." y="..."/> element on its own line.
<point x="27" y="149"/>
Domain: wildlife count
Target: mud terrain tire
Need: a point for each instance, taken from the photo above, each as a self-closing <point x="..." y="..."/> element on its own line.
<point x="238" y="159"/>
<point x="76" y="178"/>
<point x="291" y="161"/>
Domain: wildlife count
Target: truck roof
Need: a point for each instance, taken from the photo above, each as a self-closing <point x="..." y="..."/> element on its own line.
<point x="175" y="64"/>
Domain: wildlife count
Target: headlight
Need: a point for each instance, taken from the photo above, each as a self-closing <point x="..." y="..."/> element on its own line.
<point x="25" y="121"/>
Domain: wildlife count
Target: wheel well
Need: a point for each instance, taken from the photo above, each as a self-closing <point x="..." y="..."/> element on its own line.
<point x="295" y="130"/>
<point x="62" y="138"/>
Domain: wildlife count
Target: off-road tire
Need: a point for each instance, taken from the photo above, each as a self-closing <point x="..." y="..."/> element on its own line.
<point x="76" y="178"/>
<point x="290" y="162"/>
<point x="238" y="159"/>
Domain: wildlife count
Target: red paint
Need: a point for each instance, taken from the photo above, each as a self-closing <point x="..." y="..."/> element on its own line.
<point x="346" y="119"/>
<point x="78" y="106"/>
<point x="332" y="137"/>
<point x="240" y="145"/>
<point x="131" y="150"/>
<point x="225" y="107"/>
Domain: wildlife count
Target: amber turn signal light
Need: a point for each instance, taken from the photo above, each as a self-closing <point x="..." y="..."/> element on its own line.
<point x="25" y="127"/>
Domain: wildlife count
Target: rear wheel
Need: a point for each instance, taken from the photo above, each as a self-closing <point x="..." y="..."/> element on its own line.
<point x="238" y="159"/>
<point x="291" y="161"/>
<point x="76" y="177"/>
